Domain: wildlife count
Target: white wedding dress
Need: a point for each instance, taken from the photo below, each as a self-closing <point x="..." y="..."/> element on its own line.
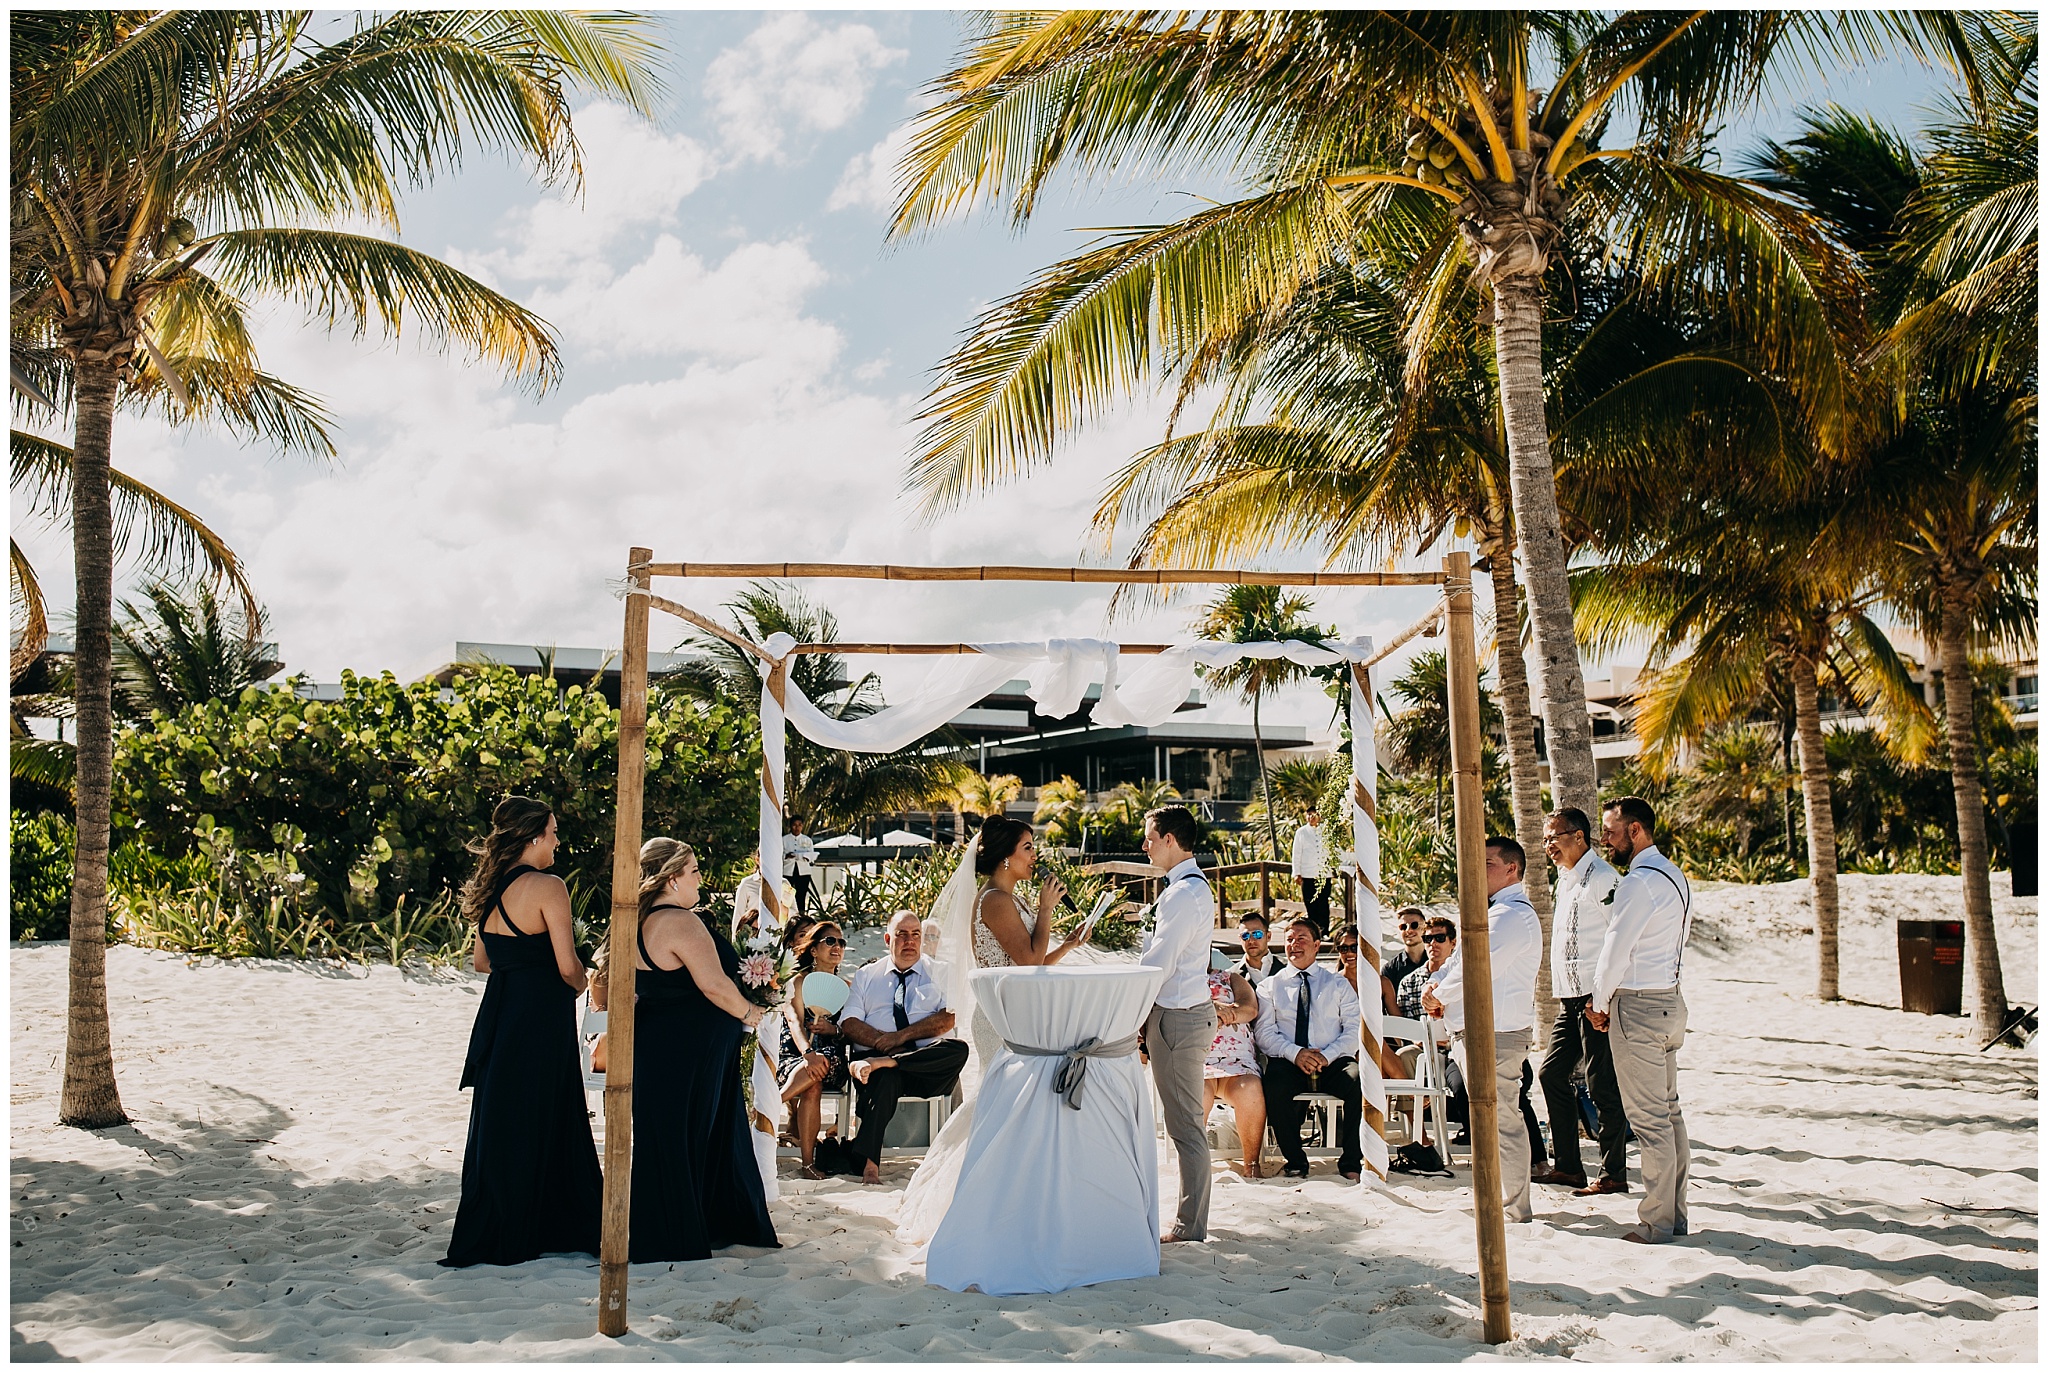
<point x="932" y="1186"/>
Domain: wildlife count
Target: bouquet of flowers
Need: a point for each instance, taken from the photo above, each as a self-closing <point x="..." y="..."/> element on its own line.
<point x="766" y="971"/>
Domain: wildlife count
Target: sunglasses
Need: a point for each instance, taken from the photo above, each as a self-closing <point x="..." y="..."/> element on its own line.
<point x="1411" y="924"/>
<point x="832" y="942"/>
<point x="1251" y="936"/>
<point x="1347" y="948"/>
<point x="1437" y="938"/>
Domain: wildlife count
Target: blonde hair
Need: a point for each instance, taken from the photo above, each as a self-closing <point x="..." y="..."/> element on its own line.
<point x="658" y="865"/>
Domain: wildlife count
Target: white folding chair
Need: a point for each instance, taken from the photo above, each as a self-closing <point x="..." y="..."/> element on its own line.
<point x="1431" y="1083"/>
<point x="593" y="1026"/>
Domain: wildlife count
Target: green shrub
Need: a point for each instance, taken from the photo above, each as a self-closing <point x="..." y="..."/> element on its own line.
<point x="374" y="797"/>
<point x="39" y="852"/>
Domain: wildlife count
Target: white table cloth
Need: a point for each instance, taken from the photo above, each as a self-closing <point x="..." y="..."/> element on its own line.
<point x="1052" y="1197"/>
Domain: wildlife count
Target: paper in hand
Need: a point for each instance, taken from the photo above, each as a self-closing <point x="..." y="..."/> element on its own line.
<point x="1102" y="905"/>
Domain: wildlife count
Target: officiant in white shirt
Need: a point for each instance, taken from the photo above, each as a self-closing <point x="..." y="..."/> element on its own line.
<point x="1182" y="1023"/>
<point x="1308" y="1028"/>
<point x="1514" y="938"/>
<point x="799" y="860"/>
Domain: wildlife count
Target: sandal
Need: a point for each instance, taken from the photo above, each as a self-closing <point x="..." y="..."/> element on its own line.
<point x="814" y="1173"/>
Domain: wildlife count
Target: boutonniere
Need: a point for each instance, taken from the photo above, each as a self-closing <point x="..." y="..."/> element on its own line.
<point x="1608" y="899"/>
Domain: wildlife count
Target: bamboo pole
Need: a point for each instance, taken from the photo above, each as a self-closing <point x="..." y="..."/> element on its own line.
<point x="1129" y="576"/>
<point x="618" y="1079"/>
<point x="1469" y="812"/>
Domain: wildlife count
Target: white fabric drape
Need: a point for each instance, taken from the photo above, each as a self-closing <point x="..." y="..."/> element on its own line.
<point x="1143" y="690"/>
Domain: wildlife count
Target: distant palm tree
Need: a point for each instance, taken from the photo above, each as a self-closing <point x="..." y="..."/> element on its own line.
<point x="1421" y="735"/>
<point x="1127" y="805"/>
<point x="1063" y="810"/>
<point x="986" y="796"/>
<point x="1254" y="614"/>
<point x="168" y="170"/>
<point x="1735" y="775"/>
<point x="183" y="647"/>
<point x="1301" y="785"/>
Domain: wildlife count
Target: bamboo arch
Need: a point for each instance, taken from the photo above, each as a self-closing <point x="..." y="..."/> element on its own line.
<point x="1454" y="610"/>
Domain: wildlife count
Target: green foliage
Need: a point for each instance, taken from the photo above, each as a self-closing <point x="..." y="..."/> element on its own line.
<point x="39" y="855"/>
<point x="913" y="884"/>
<point x="374" y="796"/>
<point x="184" y="645"/>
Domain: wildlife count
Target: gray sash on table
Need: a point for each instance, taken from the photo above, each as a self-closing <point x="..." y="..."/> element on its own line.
<point x="1067" y="1081"/>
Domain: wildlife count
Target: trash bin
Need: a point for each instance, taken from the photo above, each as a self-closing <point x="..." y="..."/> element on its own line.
<point x="2026" y="859"/>
<point x="1931" y="966"/>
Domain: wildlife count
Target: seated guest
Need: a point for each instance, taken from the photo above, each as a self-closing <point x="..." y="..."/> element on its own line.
<point x="1439" y="943"/>
<point x="1410" y="923"/>
<point x="897" y="1011"/>
<point x="1260" y="962"/>
<point x="813" y="1055"/>
<point x="1391" y="1062"/>
<point x="1231" y="1070"/>
<point x="1308" y="1030"/>
<point x="1515" y="943"/>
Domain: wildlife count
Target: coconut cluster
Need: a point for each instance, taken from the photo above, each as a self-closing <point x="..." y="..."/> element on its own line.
<point x="1430" y="158"/>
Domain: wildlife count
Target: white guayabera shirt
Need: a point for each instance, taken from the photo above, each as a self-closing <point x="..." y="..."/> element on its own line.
<point x="1584" y="904"/>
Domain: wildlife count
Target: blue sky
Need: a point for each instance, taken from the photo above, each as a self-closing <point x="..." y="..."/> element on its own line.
<point x="743" y="354"/>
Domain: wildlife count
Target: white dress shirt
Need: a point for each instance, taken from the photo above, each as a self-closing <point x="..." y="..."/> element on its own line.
<point x="1582" y="908"/>
<point x="872" y="998"/>
<point x="1646" y="936"/>
<point x="1255" y="973"/>
<point x="1179" y="939"/>
<point x="799" y="854"/>
<point x="1309" y="857"/>
<point x="1332" y="1014"/>
<point x="1514" y="945"/>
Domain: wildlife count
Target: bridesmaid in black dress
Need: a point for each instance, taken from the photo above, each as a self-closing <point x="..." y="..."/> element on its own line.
<point x="696" y="1186"/>
<point x="530" y="1178"/>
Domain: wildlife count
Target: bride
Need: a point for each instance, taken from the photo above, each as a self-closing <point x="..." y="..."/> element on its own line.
<point x="980" y="910"/>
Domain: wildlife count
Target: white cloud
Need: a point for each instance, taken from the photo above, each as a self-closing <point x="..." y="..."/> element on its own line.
<point x="792" y="76"/>
<point x="869" y="181"/>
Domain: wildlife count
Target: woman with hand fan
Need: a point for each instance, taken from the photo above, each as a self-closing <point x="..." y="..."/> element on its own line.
<point x="813" y="1055"/>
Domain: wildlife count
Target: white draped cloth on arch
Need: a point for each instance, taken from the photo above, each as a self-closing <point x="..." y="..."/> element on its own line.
<point x="1138" y="689"/>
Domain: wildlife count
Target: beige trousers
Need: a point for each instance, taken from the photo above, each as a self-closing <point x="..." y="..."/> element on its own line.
<point x="1644" y="1032"/>
<point x="1177" y="1042"/>
<point x="1510" y="1050"/>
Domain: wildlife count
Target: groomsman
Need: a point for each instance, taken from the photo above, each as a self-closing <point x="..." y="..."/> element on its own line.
<point x="897" y="1011"/>
<point x="1584" y="901"/>
<point x="1636" y="1000"/>
<point x="1514" y="938"/>
<point x="1182" y="1024"/>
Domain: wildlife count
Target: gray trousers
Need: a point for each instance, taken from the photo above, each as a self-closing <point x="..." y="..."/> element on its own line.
<point x="1177" y="1042"/>
<point x="1644" y="1033"/>
<point x="1510" y="1052"/>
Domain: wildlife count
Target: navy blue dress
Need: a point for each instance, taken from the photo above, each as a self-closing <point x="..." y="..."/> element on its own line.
<point x="696" y="1186"/>
<point x="530" y="1178"/>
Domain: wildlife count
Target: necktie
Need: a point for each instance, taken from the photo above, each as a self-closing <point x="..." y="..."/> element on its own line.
<point x="1301" y="1012"/>
<point x="902" y="982"/>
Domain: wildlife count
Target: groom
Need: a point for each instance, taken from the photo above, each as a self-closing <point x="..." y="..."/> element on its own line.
<point x="1182" y="1024"/>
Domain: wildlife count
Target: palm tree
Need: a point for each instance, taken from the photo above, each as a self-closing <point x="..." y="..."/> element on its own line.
<point x="1421" y="735"/>
<point x="1249" y="615"/>
<point x="171" y="537"/>
<point x="1301" y="785"/>
<point x="185" y="646"/>
<point x="986" y="796"/>
<point x="1468" y="142"/>
<point x="1960" y="481"/>
<point x="1063" y="810"/>
<point x="1735" y="775"/>
<point x="170" y="167"/>
<point x="824" y="787"/>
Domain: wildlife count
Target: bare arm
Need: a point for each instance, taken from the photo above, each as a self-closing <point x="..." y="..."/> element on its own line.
<point x="561" y="923"/>
<point x="685" y="936"/>
<point x="793" y="1015"/>
<point x="1244" y="1003"/>
<point x="1387" y="1000"/>
<point x="480" y="960"/>
<point x="1026" y="948"/>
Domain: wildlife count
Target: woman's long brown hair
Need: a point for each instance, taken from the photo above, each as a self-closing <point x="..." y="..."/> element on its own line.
<point x="517" y="822"/>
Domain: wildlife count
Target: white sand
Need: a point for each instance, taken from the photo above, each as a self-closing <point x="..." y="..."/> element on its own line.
<point x="1864" y="1188"/>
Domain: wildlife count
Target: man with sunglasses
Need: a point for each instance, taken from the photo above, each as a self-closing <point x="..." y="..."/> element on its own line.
<point x="1260" y="962"/>
<point x="1414" y="952"/>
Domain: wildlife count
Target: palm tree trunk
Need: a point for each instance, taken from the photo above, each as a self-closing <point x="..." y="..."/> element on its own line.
<point x="1820" y="826"/>
<point x="1959" y="696"/>
<point x="1265" y="787"/>
<point x="1518" y="352"/>
<point x="1524" y="782"/>
<point x="91" y="1100"/>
